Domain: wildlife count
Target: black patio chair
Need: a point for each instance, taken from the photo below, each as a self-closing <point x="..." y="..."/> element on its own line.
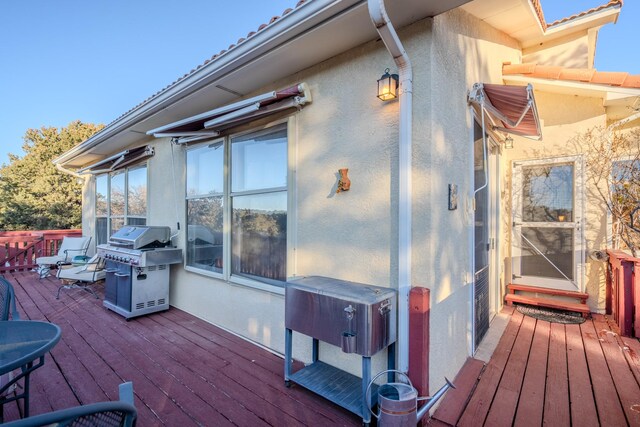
<point x="8" y="311"/>
<point x="102" y="414"/>
<point x="7" y="301"/>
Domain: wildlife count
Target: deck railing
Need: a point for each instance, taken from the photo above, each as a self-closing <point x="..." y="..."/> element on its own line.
<point x="623" y="292"/>
<point x="19" y="249"/>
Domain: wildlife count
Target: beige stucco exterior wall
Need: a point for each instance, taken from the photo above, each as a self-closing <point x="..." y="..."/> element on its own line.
<point x="349" y="235"/>
<point x="88" y="211"/>
<point x="563" y="118"/>
<point x="574" y="51"/>
<point x="352" y="235"/>
<point x="465" y="51"/>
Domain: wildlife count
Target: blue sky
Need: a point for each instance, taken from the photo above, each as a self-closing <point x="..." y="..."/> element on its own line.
<point x="84" y="60"/>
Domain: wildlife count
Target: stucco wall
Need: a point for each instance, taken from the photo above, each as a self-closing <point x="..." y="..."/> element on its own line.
<point x="349" y="235"/>
<point x="563" y="118"/>
<point x="572" y="51"/>
<point x="352" y="235"/>
<point x="88" y="211"/>
<point x="465" y="51"/>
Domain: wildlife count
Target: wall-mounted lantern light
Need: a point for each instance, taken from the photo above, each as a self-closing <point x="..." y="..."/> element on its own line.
<point x="388" y="86"/>
<point x="508" y="142"/>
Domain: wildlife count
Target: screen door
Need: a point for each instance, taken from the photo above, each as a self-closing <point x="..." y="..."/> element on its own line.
<point x="547" y="243"/>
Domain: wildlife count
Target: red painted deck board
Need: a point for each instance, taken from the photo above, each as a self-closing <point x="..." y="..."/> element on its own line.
<point x="631" y="349"/>
<point x="547" y="302"/>
<point x="184" y="370"/>
<point x="505" y="401"/>
<point x="454" y="402"/>
<point x="626" y="384"/>
<point x="480" y="402"/>
<point x="556" y="405"/>
<point x="583" y="406"/>
<point x="531" y="401"/>
<point x="582" y="296"/>
<point x="579" y="375"/>
<point x="609" y="408"/>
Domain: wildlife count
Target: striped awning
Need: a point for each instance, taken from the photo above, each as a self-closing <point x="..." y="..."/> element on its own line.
<point x="119" y="160"/>
<point x="211" y="123"/>
<point x="511" y="109"/>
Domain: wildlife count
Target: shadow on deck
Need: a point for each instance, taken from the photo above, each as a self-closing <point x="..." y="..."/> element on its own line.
<point x="545" y="373"/>
<point x="184" y="371"/>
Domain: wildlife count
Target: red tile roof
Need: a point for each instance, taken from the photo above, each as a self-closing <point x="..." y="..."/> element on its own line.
<point x="539" y="12"/>
<point x="583" y="75"/>
<point x="586" y="12"/>
<point x="213" y="58"/>
<point x="538" y="8"/>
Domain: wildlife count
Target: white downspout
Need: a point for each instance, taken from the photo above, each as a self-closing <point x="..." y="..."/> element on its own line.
<point x="69" y="172"/>
<point x="394" y="46"/>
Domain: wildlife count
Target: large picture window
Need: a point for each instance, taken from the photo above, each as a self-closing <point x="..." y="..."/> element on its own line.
<point x="121" y="198"/>
<point x="237" y="206"/>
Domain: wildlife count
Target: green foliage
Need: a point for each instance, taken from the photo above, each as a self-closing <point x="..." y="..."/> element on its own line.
<point x="34" y="194"/>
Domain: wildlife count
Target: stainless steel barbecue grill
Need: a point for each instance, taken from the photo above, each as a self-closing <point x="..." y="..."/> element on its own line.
<point x="137" y="269"/>
<point x="358" y="318"/>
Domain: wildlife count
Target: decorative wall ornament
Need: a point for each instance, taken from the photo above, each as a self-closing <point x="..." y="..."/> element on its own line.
<point x="453" y="197"/>
<point x="344" y="183"/>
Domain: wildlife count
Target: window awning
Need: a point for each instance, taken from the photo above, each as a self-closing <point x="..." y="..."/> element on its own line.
<point x="511" y="109"/>
<point x="211" y="123"/>
<point x="119" y="161"/>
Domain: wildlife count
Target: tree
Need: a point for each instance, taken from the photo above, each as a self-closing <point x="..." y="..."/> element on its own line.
<point x="35" y="195"/>
<point x="613" y="164"/>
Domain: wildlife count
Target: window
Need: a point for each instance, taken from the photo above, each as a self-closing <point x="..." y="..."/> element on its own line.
<point x="121" y="198"/>
<point x="622" y="201"/>
<point x="237" y="193"/>
<point x="205" y="194"/>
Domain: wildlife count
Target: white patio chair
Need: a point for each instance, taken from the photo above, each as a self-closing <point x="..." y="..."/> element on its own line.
<point x="70" y="247"/>
<point x="82" y="276"/>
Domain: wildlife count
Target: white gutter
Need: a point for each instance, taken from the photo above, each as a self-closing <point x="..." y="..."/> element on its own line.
<point x="390" y="38"/>
<point x="67" y="171"/>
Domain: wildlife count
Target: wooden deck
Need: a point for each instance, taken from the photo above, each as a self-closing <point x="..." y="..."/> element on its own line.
<point x="551" y="374"/>
<point x="184" y="371"/>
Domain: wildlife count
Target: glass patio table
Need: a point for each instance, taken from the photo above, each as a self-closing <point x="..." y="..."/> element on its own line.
<point x="23" y="345"/>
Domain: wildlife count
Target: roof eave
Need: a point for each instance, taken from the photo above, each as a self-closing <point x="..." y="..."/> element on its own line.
<point x="291" y="24"/>
<point x="596" y="19"/>
<point x="605" y="92"/>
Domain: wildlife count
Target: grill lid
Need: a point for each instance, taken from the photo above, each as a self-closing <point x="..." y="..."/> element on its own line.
<point x="137" y="237"/>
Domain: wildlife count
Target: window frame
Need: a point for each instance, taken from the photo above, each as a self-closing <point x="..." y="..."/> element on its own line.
<point x="609" y="227"/>
<point x="125" y="216"/>
<point x="223" y="194"/>
<point x="228" y="195"/>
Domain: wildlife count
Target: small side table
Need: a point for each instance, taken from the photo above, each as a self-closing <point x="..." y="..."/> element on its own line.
<point x="23" y="345"/>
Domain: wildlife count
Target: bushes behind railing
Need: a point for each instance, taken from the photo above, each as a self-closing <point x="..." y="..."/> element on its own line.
<point x="19" y="249"/>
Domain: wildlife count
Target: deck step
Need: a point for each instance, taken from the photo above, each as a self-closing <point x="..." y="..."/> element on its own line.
<point x="548" y="302"/>
<point x="582" y="296"/>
